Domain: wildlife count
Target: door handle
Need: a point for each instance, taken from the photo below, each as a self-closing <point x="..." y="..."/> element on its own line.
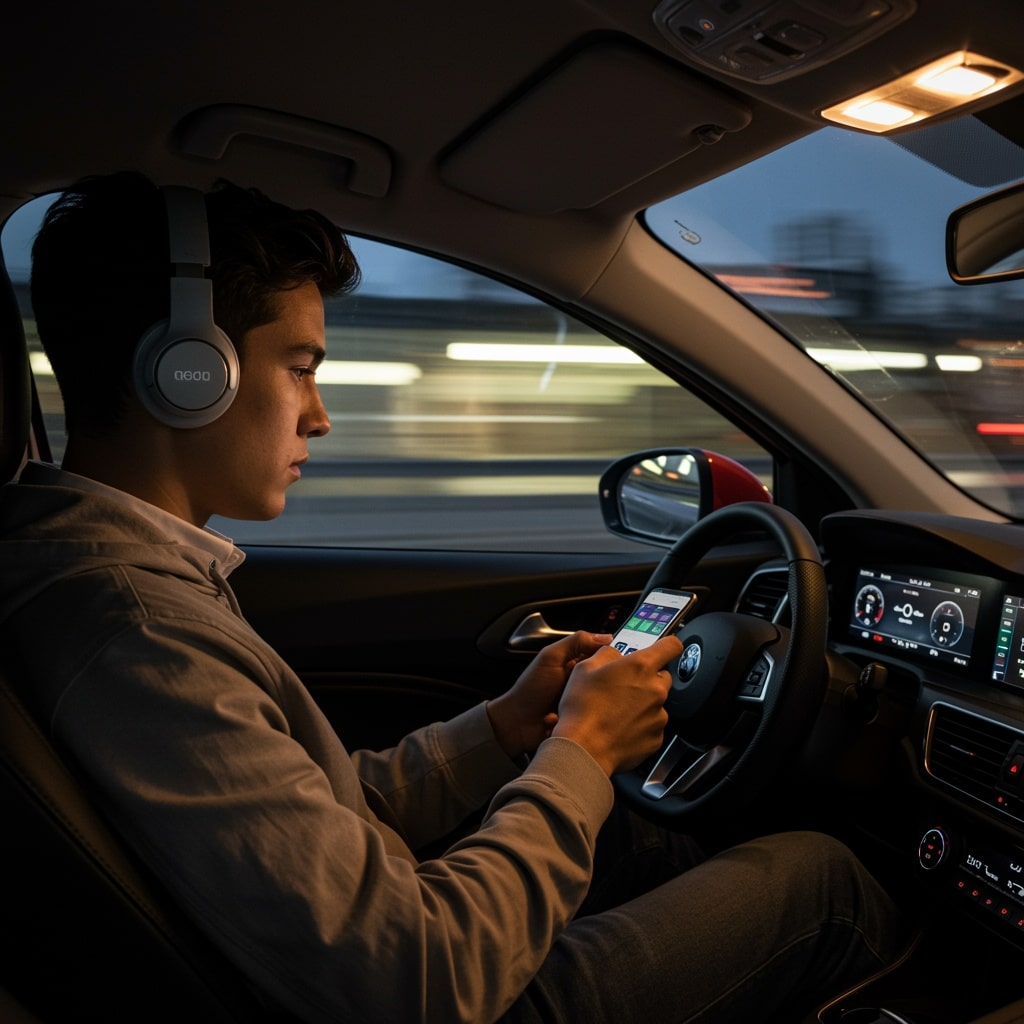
<point x="533" y="633"/>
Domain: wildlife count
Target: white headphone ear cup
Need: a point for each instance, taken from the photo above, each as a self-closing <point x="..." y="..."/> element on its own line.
<point x="185" y="381"/>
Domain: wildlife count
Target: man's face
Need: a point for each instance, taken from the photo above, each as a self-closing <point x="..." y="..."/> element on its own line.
<point x="245" y="461"/>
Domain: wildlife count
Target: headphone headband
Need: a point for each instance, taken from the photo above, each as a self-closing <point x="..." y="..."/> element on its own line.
<point x="188" y="238"/>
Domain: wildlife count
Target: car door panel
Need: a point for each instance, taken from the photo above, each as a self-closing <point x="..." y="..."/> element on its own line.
<point x="387" y="640"/>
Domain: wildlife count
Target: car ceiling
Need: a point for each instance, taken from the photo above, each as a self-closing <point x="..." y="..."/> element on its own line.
<point x="523" y="138"/>
<point x="522" y="141"/>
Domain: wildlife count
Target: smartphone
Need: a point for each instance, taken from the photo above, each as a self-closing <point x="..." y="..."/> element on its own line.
<point x="660" y="612"/>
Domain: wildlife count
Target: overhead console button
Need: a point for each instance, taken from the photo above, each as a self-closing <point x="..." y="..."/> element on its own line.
<point x="775" y="39"/>
<point x="793" y="39"/>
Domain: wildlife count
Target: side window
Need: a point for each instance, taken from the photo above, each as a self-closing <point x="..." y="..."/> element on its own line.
<point x="465" y="414"/>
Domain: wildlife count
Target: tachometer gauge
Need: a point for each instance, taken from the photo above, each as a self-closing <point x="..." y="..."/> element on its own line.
<point x="947" y="625"/>
<point x="869" y="607"/>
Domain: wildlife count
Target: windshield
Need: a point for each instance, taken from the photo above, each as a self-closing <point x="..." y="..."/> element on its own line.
<point x="839" y="238"/>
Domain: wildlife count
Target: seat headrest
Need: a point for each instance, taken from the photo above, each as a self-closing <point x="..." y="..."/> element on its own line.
<point x="15" y="384"/>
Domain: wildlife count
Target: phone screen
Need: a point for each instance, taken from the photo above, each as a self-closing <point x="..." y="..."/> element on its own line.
<point x="658" y="613"/>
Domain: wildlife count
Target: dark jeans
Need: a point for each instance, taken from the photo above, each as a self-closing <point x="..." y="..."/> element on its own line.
<point x="766" y="930"/>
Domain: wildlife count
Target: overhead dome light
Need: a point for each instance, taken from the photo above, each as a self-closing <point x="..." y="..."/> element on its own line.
<point x="942" y="85"/>
<point x="882" y="113"/>
<point x="960" y="81"/>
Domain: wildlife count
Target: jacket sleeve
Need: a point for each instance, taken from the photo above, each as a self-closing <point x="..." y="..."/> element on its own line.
<point x="435" y="777"/>
<point x="254" y="820"/>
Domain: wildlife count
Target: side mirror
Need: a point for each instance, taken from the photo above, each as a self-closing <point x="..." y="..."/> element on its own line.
<point x="655" y="496"/>
<point x="985" y="238"/>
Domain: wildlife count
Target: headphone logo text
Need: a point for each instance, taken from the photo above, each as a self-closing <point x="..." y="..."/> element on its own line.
<point x="192" y="375"/>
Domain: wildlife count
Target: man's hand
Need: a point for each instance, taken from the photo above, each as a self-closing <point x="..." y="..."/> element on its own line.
<point x="524" y="716"/>
<point x="610" y="704"/>
<point x="613" y="704"/>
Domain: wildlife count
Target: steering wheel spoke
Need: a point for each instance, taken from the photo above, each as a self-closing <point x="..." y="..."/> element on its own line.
<point x="681" y="768"/>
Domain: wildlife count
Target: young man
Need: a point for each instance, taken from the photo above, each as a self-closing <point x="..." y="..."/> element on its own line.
<point x="212" y="761"/>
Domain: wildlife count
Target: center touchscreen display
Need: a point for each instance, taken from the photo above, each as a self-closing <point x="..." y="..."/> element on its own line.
<point x="1008" y="662"/>
<point x="916" y="614"/>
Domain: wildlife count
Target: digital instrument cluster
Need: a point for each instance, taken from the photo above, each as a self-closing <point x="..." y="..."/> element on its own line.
<point x="939" y="617"/>
<point x="917" y="614"/>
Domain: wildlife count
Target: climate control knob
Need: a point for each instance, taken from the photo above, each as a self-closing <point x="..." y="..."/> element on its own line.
<point x="933" y="849"/>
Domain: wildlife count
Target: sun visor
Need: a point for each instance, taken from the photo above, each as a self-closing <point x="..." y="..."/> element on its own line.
<point x="604" y="119"/>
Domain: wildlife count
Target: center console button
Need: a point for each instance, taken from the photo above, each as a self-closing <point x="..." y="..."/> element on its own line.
<point x="932" y="850"/>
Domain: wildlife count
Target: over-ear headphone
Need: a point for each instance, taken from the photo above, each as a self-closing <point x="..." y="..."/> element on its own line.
<point x="186" y="369"/>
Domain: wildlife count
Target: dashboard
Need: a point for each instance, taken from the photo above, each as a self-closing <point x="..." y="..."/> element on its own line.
<point x="943" y="595"/>
<point x="938" y="602"/>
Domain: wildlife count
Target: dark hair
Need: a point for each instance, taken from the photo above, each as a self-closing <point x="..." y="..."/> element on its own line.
<point x="101" y="273"/>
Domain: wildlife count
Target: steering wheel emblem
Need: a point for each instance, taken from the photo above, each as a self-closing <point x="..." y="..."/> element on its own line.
<point x="689" y="663"/>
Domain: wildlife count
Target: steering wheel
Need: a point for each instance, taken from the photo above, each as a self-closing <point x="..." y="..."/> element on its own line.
<point x="745" y="691"/>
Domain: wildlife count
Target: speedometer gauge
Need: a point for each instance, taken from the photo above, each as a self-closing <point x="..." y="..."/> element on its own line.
<point x="869" y="606"/>
<point x="947" y="625"/>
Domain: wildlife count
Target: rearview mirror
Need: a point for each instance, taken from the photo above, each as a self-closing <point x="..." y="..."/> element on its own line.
<point x="655" y="496"/>
<point x="985" y="238"/>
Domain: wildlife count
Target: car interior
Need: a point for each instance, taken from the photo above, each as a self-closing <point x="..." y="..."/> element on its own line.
<point x="856" y="559"/>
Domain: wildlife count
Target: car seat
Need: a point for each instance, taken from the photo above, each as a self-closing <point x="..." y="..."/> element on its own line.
<point x="85" y="932"/>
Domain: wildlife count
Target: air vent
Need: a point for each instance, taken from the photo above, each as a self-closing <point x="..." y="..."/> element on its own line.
<point x="968" y="752"/>
<point x="764" y="594"/>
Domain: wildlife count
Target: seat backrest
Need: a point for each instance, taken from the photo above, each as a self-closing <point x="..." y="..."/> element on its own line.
<point x="85" y="932"/>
